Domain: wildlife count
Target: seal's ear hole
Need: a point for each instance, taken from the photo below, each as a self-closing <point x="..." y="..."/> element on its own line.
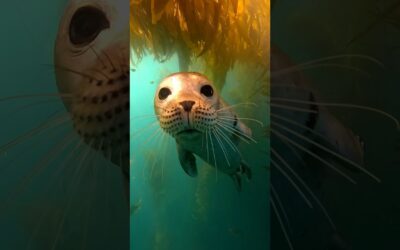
<point x="164" y="93"/>
<point x="207" y="90"/>
<point x="86" y="24"/>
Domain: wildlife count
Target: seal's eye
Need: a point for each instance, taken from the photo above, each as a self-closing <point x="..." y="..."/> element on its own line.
<point x="164" y="93"/>
<point x="86" y="24"/>
<point x="207" y="90"/>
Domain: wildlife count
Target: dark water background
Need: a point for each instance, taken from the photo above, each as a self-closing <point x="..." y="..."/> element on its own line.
<point x="367" y="214"/>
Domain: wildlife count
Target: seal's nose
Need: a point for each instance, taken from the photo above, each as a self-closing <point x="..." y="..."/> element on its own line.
<point x="187" y="105"/>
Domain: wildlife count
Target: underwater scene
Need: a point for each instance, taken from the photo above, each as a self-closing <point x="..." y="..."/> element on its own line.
<point x="213" y="137"/>
<point x="199" y="146"/>
<point x="334" y="73"/>
<point x="57" y="190"/>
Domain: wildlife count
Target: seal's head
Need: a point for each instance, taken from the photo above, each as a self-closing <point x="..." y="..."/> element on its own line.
<point x="92" y="72"/>
<point x="187" y="104"/>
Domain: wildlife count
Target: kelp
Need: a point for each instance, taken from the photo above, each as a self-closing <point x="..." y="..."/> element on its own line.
<point x="389" y="15"/>
<point x="220" y="32"/>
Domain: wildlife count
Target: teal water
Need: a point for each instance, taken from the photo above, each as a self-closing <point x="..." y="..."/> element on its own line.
<point x="54" y="194"/>
<point x="169" y="209"/>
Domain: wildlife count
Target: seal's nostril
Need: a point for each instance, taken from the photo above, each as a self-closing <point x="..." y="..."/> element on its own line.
<point x="187" y="105"/>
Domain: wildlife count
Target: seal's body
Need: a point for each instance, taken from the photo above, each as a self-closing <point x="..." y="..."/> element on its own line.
<point x="189" y="109"/>
<point x="92" y="73"/>
<point x="292" y="89"/>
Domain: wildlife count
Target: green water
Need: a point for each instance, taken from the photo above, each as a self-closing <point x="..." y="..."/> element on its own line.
<point x="175" y="211"/>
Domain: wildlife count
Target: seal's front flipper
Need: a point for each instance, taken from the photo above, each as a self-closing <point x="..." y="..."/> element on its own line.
<point x="245" y="169"/>
<point x="187" y="160"/>
<point x="237" y="181"/>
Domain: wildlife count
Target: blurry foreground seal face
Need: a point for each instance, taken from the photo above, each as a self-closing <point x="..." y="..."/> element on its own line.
<point x="91" y="62"/>
<point x="189" y="108"/>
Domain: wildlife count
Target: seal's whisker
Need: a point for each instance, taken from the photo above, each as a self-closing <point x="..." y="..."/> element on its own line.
<point x="232" y="129"/>
<point x="144" y="116"/>
<point x="78" y="146"/>
<point x="338" y="66"/>
<point x="227" y="139"/>
<point x="29" y="106"/>
<point x="325" y="59"/>
<point x="97" y="55"/>
<point x="221" y="145"/>
<point x="320" y="146"/>
<point x="341" y="105"/>
<point x="278" y="216"/>
<point x="51" y="123"/>
<point x="295" y="152"/>
<point x="328" y="164"/>
<point x="58" y="67"/>
<point x="141" y="130"/>
<point x="228" y="118"/>
<point x="236" y="105"/>
<point x="155" y="160"/>
<point x="152" y="136"/>
<point x="202" y="142"/>
<point x="300" y="125"/>
<point x="162" y="108"/>
<point x="109" y="60"/>
<point x="293" y="108"/>
<point x="141" y="118"/>
<point x="101" y="73"/>
<point x="305" y="186"/>
<point x="328" y="65"/>
<point x="207" y="150"/>
<point x="215" y="158"/>
<point x="281" y="207"/>
<point x="123" y="62"/>
<point x="293" y="183"/>
<point x="57" y="95"/>
<point x="36" y="169"/>
<point x="90" y="200"/>
<point x="164" y="150"/>
<point x="239" y="134"/>
<point x="201" y="123"/>
<point x="76" y="178"/>
<point x="60" y="168"/>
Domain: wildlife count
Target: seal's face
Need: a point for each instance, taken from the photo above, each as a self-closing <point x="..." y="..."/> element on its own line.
<point x="186" y="104"/>
<point x="92" y="68"/>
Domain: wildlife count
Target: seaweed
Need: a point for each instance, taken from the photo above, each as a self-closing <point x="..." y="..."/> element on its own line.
<point x="220" y="32"/>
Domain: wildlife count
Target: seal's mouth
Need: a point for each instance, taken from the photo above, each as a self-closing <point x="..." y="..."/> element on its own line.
<point x="189" y="131"/>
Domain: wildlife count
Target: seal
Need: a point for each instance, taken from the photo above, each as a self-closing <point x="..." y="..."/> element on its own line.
<point x="91" y="58"/>
<point x="189" y="108"/>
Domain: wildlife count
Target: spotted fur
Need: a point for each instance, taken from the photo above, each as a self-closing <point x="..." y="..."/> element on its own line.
<point x="189" y="109"/>
<point x="92" y="68"/>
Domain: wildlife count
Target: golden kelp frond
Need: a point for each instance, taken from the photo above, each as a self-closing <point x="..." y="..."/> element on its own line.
<point x="220" y="32"/>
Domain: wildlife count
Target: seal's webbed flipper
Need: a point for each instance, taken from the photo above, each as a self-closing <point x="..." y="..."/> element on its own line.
<point x="237" y="181"/>
<point x="245" y="169"/>
<point x="187" y="160"/>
